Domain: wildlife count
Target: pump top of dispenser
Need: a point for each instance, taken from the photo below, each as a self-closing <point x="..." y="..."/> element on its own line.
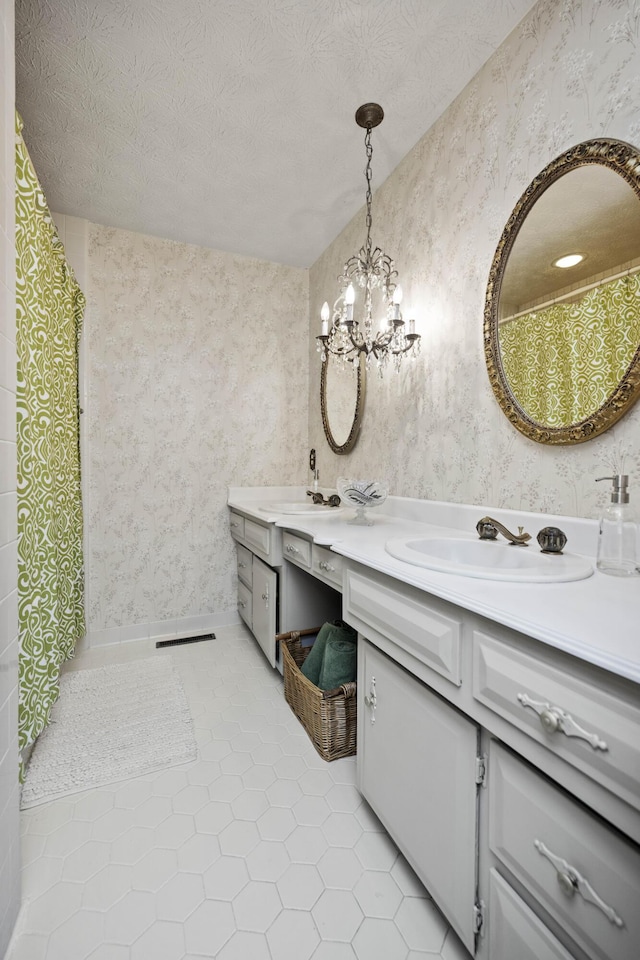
<point x="619" y="487"/>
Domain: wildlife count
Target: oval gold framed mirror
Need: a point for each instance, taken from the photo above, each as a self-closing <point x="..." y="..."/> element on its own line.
<point x="342" y="390"/>
<point x="562" y="339"/>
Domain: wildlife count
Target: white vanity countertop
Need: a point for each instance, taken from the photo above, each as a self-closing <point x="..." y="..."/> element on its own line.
<point x="596" y="619"/>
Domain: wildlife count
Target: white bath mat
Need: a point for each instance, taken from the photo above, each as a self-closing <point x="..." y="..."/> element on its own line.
<point x="110" y="724"/>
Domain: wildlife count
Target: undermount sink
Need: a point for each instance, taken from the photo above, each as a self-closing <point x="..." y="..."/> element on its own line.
<point x="489" y="559"/>
<point x="297" y="506"/>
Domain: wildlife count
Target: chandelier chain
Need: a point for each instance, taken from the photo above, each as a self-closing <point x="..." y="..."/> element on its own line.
<point x="369" y="150"/>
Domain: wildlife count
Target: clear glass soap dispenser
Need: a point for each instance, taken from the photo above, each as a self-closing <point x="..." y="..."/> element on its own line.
<point x="618" y="551"/>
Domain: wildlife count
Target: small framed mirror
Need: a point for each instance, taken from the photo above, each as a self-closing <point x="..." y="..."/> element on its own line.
<point x="562" y="309"/>
<point x="342" y="390"/>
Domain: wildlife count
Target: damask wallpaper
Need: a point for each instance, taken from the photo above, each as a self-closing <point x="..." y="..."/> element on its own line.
<point x="193" y="383"/>
<point x="569" y="72"/>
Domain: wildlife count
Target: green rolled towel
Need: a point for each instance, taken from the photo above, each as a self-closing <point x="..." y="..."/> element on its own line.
<point x="313" y="664"/>
<point x="339" y="661"/>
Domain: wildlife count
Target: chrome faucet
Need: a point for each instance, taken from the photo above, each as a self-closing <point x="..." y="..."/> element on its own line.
<point x="488" y="529"/>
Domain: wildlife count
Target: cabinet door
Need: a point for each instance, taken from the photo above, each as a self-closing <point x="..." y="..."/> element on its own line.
<point x="416" y="767"/>
<point x="265" y="604"/>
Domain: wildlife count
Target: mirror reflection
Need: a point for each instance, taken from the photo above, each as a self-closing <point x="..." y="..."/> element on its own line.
<point x="342" y="402"/>
<point x="562" y="333"/>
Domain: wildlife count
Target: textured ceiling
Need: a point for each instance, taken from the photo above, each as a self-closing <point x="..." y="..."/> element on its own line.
<point x="230" y="123"/>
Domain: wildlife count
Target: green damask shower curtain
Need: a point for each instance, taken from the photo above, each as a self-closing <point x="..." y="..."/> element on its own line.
<point x="50" y="307"/>
<point x="564" y="361"/>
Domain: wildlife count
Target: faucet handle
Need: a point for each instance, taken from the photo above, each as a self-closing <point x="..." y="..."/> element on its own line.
<point x="487" y="530"/>
<point x="552" y="540"/>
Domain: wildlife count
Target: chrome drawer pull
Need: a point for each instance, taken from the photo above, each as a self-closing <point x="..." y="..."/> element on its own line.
<point x="572" y="881"/>
<point x="554" y="719"/>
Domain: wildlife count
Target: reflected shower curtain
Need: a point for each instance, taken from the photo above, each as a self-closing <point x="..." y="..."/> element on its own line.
<point x="50" y="307"/>
<point x="564" y="361"/>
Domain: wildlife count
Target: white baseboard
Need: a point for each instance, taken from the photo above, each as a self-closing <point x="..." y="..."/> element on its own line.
<point x="161" y="629"/>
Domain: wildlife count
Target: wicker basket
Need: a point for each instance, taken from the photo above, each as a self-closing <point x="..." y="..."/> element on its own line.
<point x="328" y="716"/>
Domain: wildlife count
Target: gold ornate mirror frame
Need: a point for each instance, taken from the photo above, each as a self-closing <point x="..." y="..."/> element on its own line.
<point x="624" y="159"/>
<point x="350" y="442"/>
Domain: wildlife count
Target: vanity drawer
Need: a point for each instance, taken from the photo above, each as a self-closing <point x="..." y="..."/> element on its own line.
<point x="327" y="565"/>
<point x="236" y="523"/>
<point x="581" y="871"/>
<point x="296" y="549"/>
<point x="401" y="613"/>
<point x="257" y="536"/>
<point x="514" y="929"/>
<point x="245" y="603"/>
<point x="563" y="707"/>
<point x="244" y="563"/>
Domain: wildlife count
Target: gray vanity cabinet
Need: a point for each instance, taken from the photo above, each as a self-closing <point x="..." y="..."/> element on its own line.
<point x="415" y="756"/>
<point x="506" y="771"/>
<point x="274" y="595"/>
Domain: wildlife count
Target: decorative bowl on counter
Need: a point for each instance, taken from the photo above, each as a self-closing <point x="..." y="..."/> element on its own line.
<point x="361" y="494"/>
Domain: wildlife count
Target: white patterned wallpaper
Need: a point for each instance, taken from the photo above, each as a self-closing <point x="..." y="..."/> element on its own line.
<point x="194" y="383"/>
<point x="569" y="72"/>
<point x="180" y="405"/>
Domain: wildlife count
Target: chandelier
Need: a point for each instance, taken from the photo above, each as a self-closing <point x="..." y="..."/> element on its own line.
<point x="372" y="272"/>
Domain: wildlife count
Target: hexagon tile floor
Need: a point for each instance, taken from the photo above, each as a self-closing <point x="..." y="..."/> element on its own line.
<point x="257" y="850"/>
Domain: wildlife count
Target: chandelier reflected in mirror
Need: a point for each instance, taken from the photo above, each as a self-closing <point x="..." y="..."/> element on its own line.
<point x="367" y="276"/>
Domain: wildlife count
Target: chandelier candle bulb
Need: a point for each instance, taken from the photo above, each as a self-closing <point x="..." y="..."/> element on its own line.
<point x="349" y="299"/>
<point x="397" y="300"/>
<point x="324" y="316"/>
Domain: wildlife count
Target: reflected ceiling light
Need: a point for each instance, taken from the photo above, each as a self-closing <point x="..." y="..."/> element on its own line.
<point x="369" y="272"/>
<point x="569" y="261"/>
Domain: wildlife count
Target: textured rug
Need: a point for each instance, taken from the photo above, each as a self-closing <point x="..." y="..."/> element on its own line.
<point x="109" y="724"/>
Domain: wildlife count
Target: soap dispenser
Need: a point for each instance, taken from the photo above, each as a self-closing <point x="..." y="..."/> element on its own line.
<point x="618" y="552"/>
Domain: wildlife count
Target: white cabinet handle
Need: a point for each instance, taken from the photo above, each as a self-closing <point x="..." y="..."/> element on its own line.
<point x="235" y="523"/>
<point x="241" y="564"/>
<point x="242" y="603"/>
<point x="291" y="549"/>
<point x="265" y="597"/>
<point x="325" y="565"/>
<point x="370" y="700"/>
<point x="554" y="719"/>
<point x="571" y="881"/>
